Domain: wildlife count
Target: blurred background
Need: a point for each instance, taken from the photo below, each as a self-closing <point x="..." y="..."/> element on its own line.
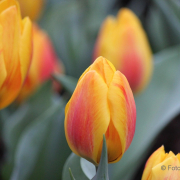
<point x="32" y="140"/>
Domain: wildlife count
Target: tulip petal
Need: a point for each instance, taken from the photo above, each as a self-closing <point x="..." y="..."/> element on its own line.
<point x="168" y="155"/>
<point x="7" y="3"/>
<point x="31" y="8"/>
<point x="113" y="144"/>
<point x="122" y="109"/>
<point x="10" y="41"/>
<point x="108" y="41"/>
<point x="10" y="38"/>
<point x="104" y="68"/>
<point x="170" y="172"/>
<point x="3" y="72"/>
<point x="123" y="41"/>
<point x="135" y="51"/>
<point x="87" y="116"/>
<point x="178" y="156"/>
<point x="156" y="158"/>
<point x="48" y="59"/>
<point x="26" y="47"/>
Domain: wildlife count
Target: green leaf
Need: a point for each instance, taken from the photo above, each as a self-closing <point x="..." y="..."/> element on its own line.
<point x="17" y="122"/>
<point x="31" y="144"/>
<point x="156" y="106"/>
<point x="72" y="177"/>
<point x="55" y="152"/>
<point x="102" y="172"/>
<point x="173" y="23"/>
<point x="77" y="165"/>
<point x="154" y="26"/>
<point x="73" y="27"/>
<point x="162" y="24"/>
<point x="68" y="82"/>
<point x="73" y="162"/>
<point x="63" y="23"/>
<point x="175" y="6"/>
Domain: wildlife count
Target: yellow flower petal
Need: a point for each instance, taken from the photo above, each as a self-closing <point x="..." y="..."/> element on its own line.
<point x="104" y="68"/>
<point x="156" y="158"/>
<point x="25" y="47"/>
<point x="4" y="4"/>
<point x="170" y="172"/>
<point x="134" y="44"/>
<point x="108" y="41"/>
<point x="3" y="72"/>
<point x="122" y="110"/>
<point x="87" y="116"/>
<point x="10" y="38"/>
<point x="113" y="144"/>
<point x="10" y="23"/>
<point x="123" y="41"/>
<point x="31" y="8"/>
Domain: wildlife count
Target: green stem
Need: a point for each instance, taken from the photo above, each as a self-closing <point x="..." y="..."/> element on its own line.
<point x="96" y="169"/>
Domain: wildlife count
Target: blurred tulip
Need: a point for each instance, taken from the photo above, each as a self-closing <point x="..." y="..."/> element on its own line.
<point x="102" y="103"/>
<point x="123" y="41"/>
<point x="44" y="63"/>
<point x="31" y="8"/>
<point x="16" y="50"/>
<point x="162" y="166"/>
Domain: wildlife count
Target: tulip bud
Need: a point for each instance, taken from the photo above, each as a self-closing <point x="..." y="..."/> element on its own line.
<point x="123" y="41"/>
<point x="162" y="166"/>
<point x="31" y="8"/>
<point x="44" y="63"/>
<point x="102" y="103"/>
<point x="15" y="50"/>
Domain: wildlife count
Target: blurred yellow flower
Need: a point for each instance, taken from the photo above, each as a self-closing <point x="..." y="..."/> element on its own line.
<point x="31" y="8"/>
<point x="44" y="63"/>
<point x="123" y="41"/>
<point x="162" y="166"/>
<point x="16" y="50"/>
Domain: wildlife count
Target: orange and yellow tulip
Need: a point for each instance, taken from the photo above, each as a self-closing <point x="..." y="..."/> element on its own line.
<point x="15" y="50"/>
<point x="102" y="103"/>
<point x="162" y="166"/>
<point x="123" y="41"/>
<point x="31" y="8"/>
<point x="44" y="63"/>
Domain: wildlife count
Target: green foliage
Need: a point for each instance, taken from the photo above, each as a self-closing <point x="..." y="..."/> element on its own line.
<point x="163" y="24"/>
<point x="35" y="139"/>
<point x="72" y="177"/>
<point x="73" y="162"/>
<point x="102" y="172"/>
<point x="68" y="82"/>
<point x="73" y="27"/>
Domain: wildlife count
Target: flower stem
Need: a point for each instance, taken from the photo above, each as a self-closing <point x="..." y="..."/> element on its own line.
<point x="96" y="169"/>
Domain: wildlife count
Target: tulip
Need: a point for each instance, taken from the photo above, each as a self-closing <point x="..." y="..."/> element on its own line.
<point x="162" y="166"/>
<point x="31" y="8"/>
<point x="44" y="64"/>
<point x="123" y="41"/>
<point x="102" y="103"/>
<point x="16" y="50"/>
